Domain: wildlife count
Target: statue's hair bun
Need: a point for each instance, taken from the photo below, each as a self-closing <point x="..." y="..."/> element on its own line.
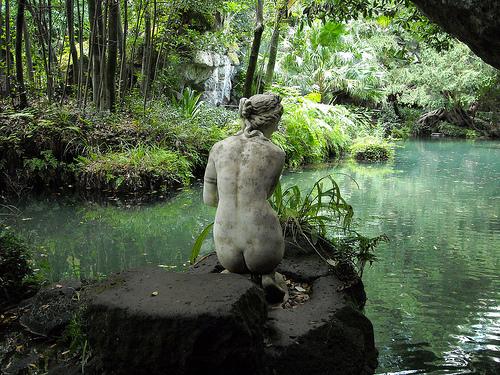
<point x="245" y="108"/>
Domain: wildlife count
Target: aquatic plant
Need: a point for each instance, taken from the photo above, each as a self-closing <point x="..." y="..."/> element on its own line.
<point x="319" y="221"/>
<point x="372" y="149"/>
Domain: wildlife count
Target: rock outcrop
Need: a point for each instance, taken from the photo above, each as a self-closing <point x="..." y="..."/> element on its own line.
<point x="326" y="335"/>
<point x="151" y="321"/>
<point x="212" y="73"/>
<point x="474" y="22"/>
<point x="51" y="309"/>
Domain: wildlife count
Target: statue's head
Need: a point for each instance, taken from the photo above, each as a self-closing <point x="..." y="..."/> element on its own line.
<point x="260" y="113"/>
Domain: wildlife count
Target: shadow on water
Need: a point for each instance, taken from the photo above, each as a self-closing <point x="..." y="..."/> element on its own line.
<point x="433" y="295"/>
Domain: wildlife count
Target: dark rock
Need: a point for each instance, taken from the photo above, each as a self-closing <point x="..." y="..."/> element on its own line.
<point x="304" y="268"/>
<point x="300" y="267"/>
<point x="154" y="322"/>
<point x="474" y="22"/>
<point x="21" y="364"/>
<point x="326" y="335"/>
<point x="207" y="264"/>
<point x="67" y="369"/>
<point x="51" y="309"/>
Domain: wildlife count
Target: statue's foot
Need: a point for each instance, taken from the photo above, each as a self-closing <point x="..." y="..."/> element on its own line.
<point x="275" y="288"/>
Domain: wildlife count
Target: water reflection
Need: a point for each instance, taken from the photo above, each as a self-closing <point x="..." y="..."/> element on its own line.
<point x="90" y="240"/>
<point x="434" y="294"/>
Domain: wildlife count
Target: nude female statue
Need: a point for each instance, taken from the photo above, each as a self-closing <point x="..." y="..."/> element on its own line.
<point x="240" y="176"/>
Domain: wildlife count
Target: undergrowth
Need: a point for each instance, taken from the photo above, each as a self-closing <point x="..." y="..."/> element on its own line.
<point x="138" y="168"/>
<point x="15" y="267"/>
<point x="160" y="146"/>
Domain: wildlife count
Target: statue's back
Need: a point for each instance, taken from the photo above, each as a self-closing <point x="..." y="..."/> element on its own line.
<point x="247" y="168"/>
<point x="247" y="231"/>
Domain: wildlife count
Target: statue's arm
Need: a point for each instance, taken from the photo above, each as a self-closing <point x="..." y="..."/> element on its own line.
<point x="210" y="195"/>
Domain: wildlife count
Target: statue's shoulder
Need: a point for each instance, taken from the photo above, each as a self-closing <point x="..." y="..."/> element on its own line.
<point x="218" y="146"/>
<point x="275" y="149"/>
<point x="277" y="153"/>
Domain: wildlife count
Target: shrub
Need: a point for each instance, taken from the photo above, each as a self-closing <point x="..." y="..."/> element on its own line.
<point x="40" y="148"/>
<point x="14" y="265"/>
<point x="166" y="126"/>
<point x="372" y="149"/>
<point x="452" y="130"/>
<point x="138" y="168"/>
<point x="312" y="132"/>
<point x="189" y="102"/>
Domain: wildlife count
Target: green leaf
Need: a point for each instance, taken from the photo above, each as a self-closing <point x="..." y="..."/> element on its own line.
<point x="330" y="33"/>
<point x="383" y="21"/>
<point x="195" y="251"/>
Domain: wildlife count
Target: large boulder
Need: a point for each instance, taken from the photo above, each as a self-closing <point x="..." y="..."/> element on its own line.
<point x="151" y="321"/>
<point x="326" y="335"/>
<point x="474" y="22"/>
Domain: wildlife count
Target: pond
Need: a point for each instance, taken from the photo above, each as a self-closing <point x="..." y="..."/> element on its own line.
<point x="434" y="293"/>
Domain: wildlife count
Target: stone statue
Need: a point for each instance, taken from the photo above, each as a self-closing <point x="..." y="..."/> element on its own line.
<point x="240" y="176"/>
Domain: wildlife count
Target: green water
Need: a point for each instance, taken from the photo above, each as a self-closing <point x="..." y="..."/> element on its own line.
<point x="434" y="296"/>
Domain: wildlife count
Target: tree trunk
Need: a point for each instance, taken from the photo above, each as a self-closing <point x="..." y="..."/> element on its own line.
<point x="21" y="88"/>
<point x="95" y="15"/>
<point x="273" y="52"/>
<point x="27" y="51"/>
<point x="70" y="19"/>
<point x="122" y="88"/>
<point x="456" y="116"/>
<point x="145" y="52"/>
<point x="42" y="37"/>
<point x="254" y="53"/>
<point x="150" y="54"/>
<point x="50" y="78"/>
<point x="120" y="28"/>
<point x="140" y="15"/>
<point x="112" y="54"/>
<point x="80" y="14"/>
<point x="2" y="55"/>
<point x="7" y="48"/>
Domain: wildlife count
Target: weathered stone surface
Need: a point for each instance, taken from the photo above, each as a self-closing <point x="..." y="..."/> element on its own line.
<point x="51" y="309"/>
<point x="207" y="264"/>
<point x="297" y="266"/>
<point x="214" y="73"/>
<point x="306" y="268"/>
<point x="327" y="335"/>
<point x="194" y="324"/>
<point x="474" y="22"/>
